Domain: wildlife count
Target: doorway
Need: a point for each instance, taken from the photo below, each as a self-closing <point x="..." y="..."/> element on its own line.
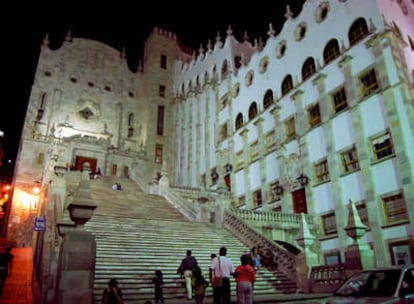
<point x="299" y="201"/>
<point x="80" y="160"/>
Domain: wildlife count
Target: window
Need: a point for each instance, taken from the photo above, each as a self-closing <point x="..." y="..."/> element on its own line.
<point x="239" y="121"/>
<point x="382" y="146"/>
<point x="358" y="31"/>
<point x="114" y="169"/>
<point x="329" y="223"/>
<point x="257" y="198"/>
<point x="130" y="125"/>
<point x="368" y="82"/>
<point x="321" y="171"/>
<point x="331" y="51"/>
<point x="308" y="68"/>
<point x="394" y="208"/>
<point x="223" y="132"/>
<point x="339" y="100"/>
<point x="268" y="99"/>
<point x="314" y="115"/>
<point x="349" y="160"/>
<point x="224" y="70"/>
<point x="163" y="62"/>
<point x="253" y="111"/>
<point x="158" y="154"/>
<point x="290" y="128"/>
<point x="40" y="158"/>
<point x="275" y="191"/>
<point x="161" y="91"/>
<point x="287" y="84"/>
<point x="160" y="120"/>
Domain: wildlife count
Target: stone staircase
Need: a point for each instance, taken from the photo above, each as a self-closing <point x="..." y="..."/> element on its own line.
<point x="137" y="233"/>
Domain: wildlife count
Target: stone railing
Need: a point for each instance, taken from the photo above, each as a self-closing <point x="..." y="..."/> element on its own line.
<point x="327" y="278"/>
<point x="189" y="211"/>
<point x="275" y="256"/>
<point x="285" y="219"/>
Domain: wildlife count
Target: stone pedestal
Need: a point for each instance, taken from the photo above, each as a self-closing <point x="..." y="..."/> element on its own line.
<point x="77" y="268"/>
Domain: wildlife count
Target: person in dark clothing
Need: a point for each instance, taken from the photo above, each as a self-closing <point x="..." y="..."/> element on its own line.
<point x="6" y="266"/>
<point x="158" y="286"/>
<point x="186" y="269"/>
<point x="112" y="294"/>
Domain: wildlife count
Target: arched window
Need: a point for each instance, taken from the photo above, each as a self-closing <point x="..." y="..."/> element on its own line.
<point x="130" y="125"/>
<point x="224" y="70"/>
<point x="239" y="121"/>
<point x="357" y="31"/>
<point x="253" y="111"/>
<point x="331" y="51"/>
<point x="268" y="99"/>
<point x="308" y="68"/>
<point x="287" y="84"/>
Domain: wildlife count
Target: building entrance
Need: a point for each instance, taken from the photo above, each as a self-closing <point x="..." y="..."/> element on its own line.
<point x="80" y="160"/>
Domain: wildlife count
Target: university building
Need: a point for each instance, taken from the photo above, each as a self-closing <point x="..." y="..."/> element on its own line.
<point x="317" y="119"/>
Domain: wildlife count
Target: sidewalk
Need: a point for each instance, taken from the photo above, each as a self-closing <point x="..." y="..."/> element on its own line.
<point x="18" y="288"/>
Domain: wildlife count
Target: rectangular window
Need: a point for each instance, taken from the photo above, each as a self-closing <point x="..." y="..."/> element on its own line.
<point x="40" y="158"/>
<point x="290" y="128"/>
<point x="163" y="62"/>
<point x="257" y="198"/>
<point x="114" y="170"/>
<point x="158" y="154"/>
<point x="395" y="209"/>
<point x="369" y="83"/>
<point x="321" y="171"/>
<point x="329" y="223"/>
<point x="223" y="132"/>
<point x="161" y="91"/>
<point x="160" y="120"/>
<point x="339" y="100"/>
<point x="314" y="115"/>
<point x="382" y="146"/>
<point x="349" y="160"/>
<point x="275" y="191"/>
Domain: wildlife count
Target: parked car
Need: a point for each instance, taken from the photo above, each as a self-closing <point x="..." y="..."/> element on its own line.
<point x="380" y="286"/>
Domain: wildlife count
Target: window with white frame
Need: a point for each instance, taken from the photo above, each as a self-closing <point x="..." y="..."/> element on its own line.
<point x="368" y="82"/>
<point x="382" y="146"/>
<point x="329" y="223"/>
<point x="349" y="159"/>
<point x="395" y="208"/>
<point x="321" y="171"/>
<point x="257" y="198"/>
<point x="339" y="100"/>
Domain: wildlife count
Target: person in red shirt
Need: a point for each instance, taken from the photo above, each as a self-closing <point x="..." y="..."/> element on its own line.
<point x="245" y="277"/>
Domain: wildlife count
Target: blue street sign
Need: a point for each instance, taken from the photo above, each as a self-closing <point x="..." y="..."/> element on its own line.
<point x="40" y="224"/>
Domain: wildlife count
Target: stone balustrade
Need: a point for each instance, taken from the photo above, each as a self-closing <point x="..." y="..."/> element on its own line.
<point x="327" y="278"/>
<point x="274" y="255"/>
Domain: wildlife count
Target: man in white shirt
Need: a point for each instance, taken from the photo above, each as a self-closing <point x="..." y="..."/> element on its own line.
<point x="222" y="266"/>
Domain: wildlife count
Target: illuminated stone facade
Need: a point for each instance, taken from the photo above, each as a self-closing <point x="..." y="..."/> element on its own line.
<point x="329" y="99"/>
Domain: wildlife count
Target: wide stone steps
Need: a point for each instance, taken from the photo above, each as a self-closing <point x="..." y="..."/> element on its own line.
<point x="138" y="233"/>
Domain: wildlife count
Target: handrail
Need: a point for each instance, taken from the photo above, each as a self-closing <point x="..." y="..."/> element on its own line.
<point x="275" y="255"/>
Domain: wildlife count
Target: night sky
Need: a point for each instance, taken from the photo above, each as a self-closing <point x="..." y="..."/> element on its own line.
<point x="127" y="26"/>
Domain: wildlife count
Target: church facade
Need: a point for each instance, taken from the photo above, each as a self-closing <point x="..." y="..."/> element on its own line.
<point x="316" y="119"/>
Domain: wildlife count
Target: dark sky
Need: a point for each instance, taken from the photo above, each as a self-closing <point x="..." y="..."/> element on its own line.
<point x="124" y="25"/>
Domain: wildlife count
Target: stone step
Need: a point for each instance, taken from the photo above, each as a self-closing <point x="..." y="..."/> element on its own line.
<point x="138" y="233"/>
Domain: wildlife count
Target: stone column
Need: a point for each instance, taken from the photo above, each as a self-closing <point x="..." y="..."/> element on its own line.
<point x="306" y="259"/>
<point x="358" y="255"/>
<point x="76" y="271"/>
